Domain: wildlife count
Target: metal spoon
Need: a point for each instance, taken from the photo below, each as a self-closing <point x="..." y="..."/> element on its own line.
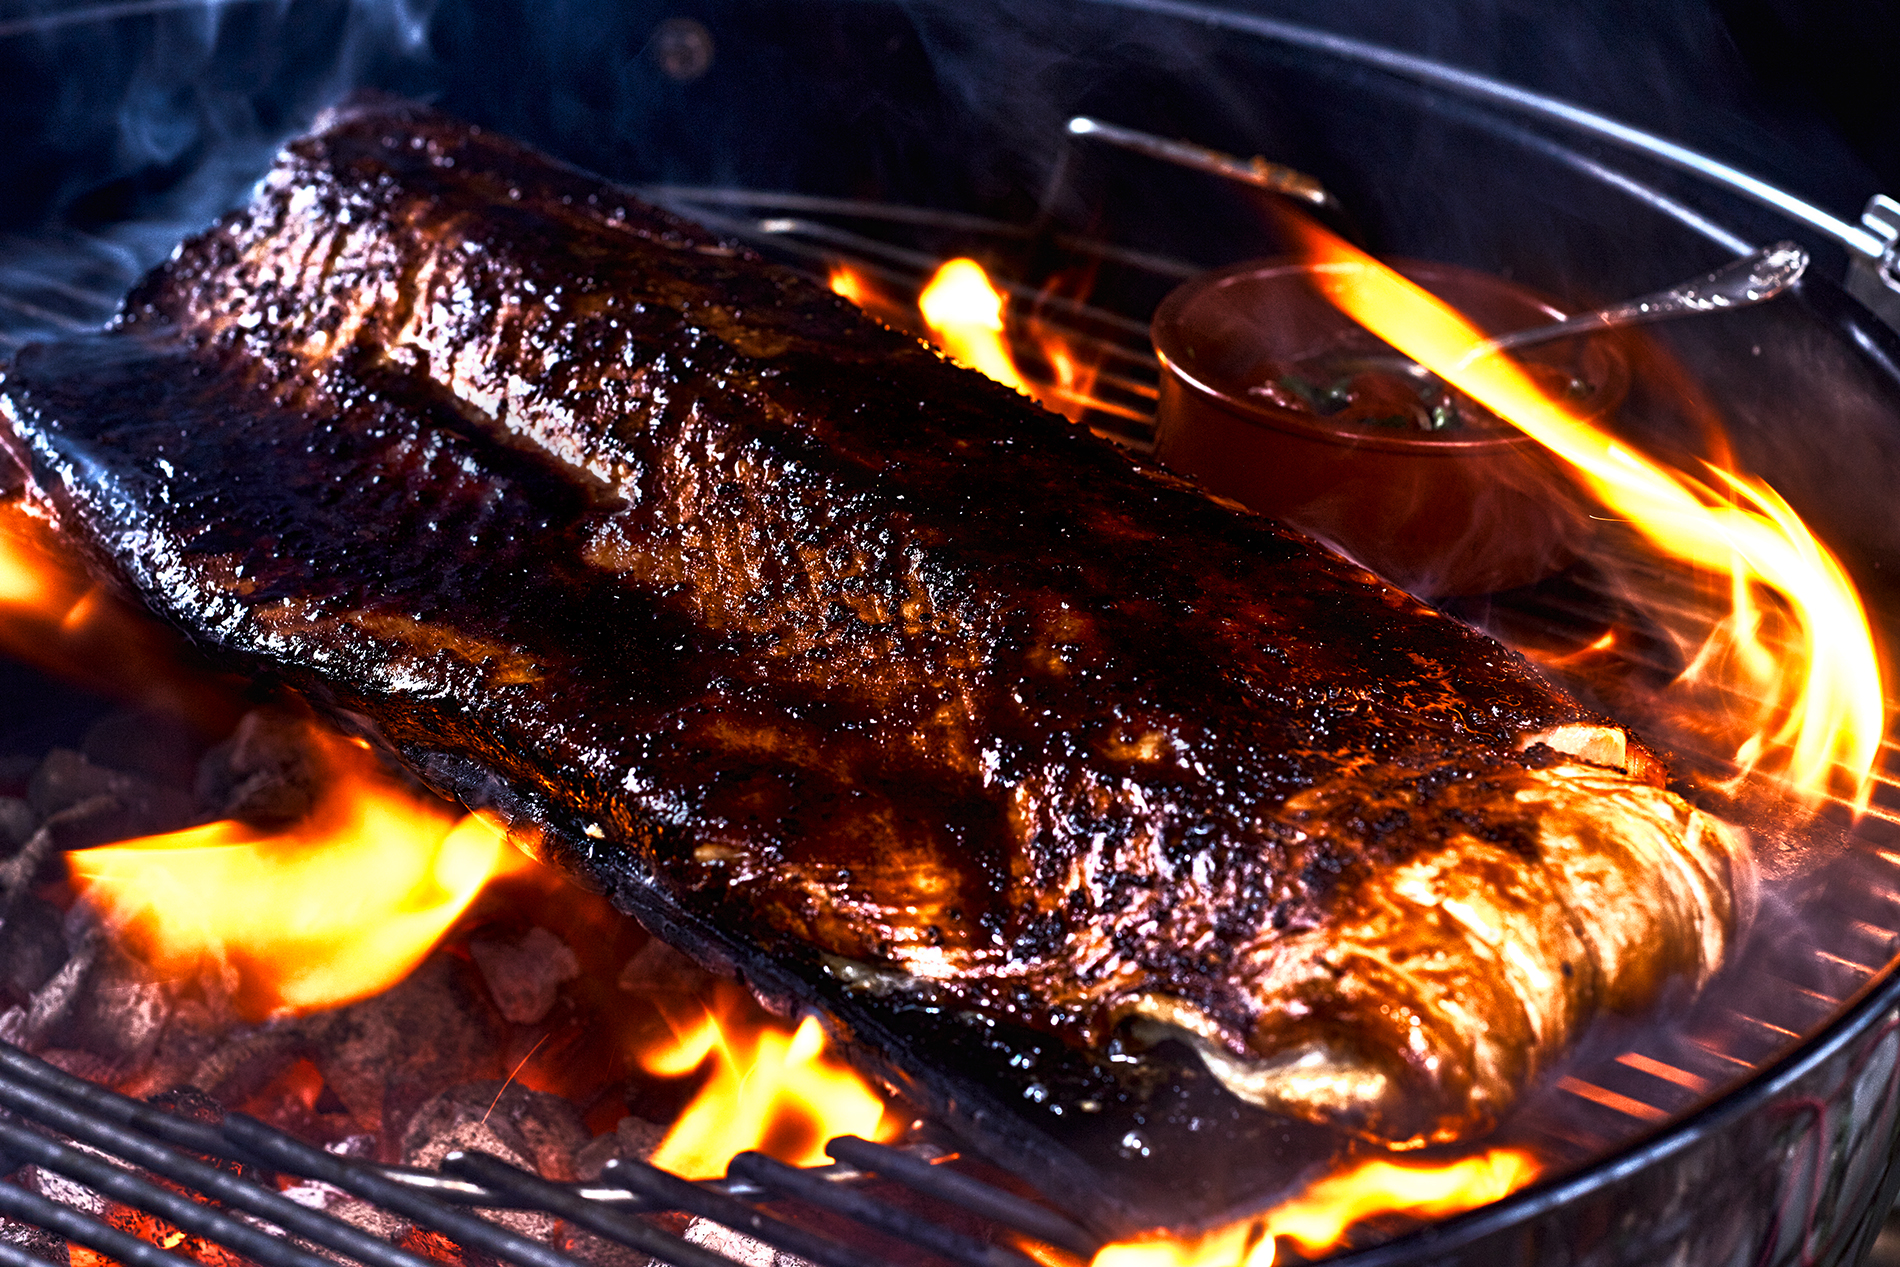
<point x="1751" y="279"/>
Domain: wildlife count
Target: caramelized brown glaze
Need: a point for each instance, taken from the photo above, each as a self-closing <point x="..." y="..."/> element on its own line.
<point x="861" y="655"/>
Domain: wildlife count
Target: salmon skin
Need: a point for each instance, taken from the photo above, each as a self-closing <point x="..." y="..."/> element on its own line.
<point x="854" y="656"/>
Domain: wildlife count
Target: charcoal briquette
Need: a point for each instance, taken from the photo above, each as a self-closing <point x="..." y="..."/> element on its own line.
<point x="32" y="945"/>
<point x="524" y="977"/>
<point x="18" y="822"/>
<point x="157" y="746"/>
<point x="266" y="772"/>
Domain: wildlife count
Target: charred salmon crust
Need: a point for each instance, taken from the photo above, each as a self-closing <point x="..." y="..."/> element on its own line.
<point x="858" y="656"/>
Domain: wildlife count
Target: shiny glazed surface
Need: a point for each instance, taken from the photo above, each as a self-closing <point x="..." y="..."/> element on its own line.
<point x="861" y="656"/>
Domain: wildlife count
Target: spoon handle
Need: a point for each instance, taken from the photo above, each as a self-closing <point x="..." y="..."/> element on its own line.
<point x="1748" y="280"/>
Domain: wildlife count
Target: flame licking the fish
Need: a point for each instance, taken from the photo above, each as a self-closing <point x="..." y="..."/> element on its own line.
<point x="26" y="579"/>
<point x="848" y="282"/>
<point x="46" y="597"/>
<point x="1315" y="1220"/>
<point x="775" y="1090"/>
<point x="858" y="287"/>
<point x="288" y="921"/>
<point x="283" y="915"/>
<point x="965" y="312"/>
<point x="55" y="616"/>
<point x="1796" y="639"/>
<point x="338" y="907"/>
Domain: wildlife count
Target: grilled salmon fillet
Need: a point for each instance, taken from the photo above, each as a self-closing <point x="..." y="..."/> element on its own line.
<point x="754" y="603"/>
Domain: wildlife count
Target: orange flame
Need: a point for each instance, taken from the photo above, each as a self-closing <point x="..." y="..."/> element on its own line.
<point x="1317" y="1218"/>
<point x="1045" y="1255"/>
<point x="849" y="283"/>
<point x="965" y="312"/>
<point x="775" y="1091"/>
<point x="1072" y="394"/>
<point x="43" y="588"/>
<point x="1821" y="713"/>
<point x="55" y="616"/>
<point x="26" y="581"/>
<point x="856" y="286"/>
<point x="1074" y="380"/>
<point x="336" y="908"/>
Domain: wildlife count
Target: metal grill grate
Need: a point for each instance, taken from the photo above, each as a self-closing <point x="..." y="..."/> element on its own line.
<point x="1121" y="401"/>
<point x="1775" y="996"/>
<point x="129" y="1151"/>
<point x="164" y="1165"/>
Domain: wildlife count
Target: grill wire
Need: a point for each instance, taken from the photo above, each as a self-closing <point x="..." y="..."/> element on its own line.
<point x="1608" y="1100"/>
<point x="161" y="1164"/>
<point x="1781" y="993"/>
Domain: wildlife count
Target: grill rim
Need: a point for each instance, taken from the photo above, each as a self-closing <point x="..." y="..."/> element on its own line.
<point x="1879" y="999"/>
<point x="1656" y="1147"/>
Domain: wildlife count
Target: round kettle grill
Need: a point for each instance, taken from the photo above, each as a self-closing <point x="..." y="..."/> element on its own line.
<point x="1761" y="1127"/>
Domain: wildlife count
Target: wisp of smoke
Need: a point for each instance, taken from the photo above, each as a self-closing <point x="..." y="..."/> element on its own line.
<point x="135" y="122"/>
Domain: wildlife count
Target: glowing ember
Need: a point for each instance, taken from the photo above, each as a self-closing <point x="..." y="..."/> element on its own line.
<point x="339" y="907"/>
<point x="965" y="312"/>
<point x="1821" y="714"/>
<point x="777" y="1092"/>
<point x="1317" y="1218"/>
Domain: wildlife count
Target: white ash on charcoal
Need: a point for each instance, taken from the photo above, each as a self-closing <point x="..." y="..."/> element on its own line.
<point x="142" y="774"/>
<point x="120" y="803"/>
<point x="631" y="1139"/>
<point x="131" y="776"/>
<point x="99" y="1014"/>
<point x="229" y="1064"/>
<point x="184" y="1103"/>
<point x="374" y="1219"/>
<point x="63" y="987"/>
<point x="386" y="1056"/>
<point x="76" y="804"/>
<point x="526" y="1128"/>
<point x="529" y="1129"/>
<point x="738" y="1246"/>
<point x="63" y="1190"/>
<point x="18" y="822"/>
<point x="32" y="947"/>
<point x="205" y="1047"/>
<point x="114" y="1014"/>
<point x="36" y="1242"/>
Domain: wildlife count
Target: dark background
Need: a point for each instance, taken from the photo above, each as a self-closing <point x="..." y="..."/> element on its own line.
<point x="1837" y="64"/>
<point x="141" y="125"/>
